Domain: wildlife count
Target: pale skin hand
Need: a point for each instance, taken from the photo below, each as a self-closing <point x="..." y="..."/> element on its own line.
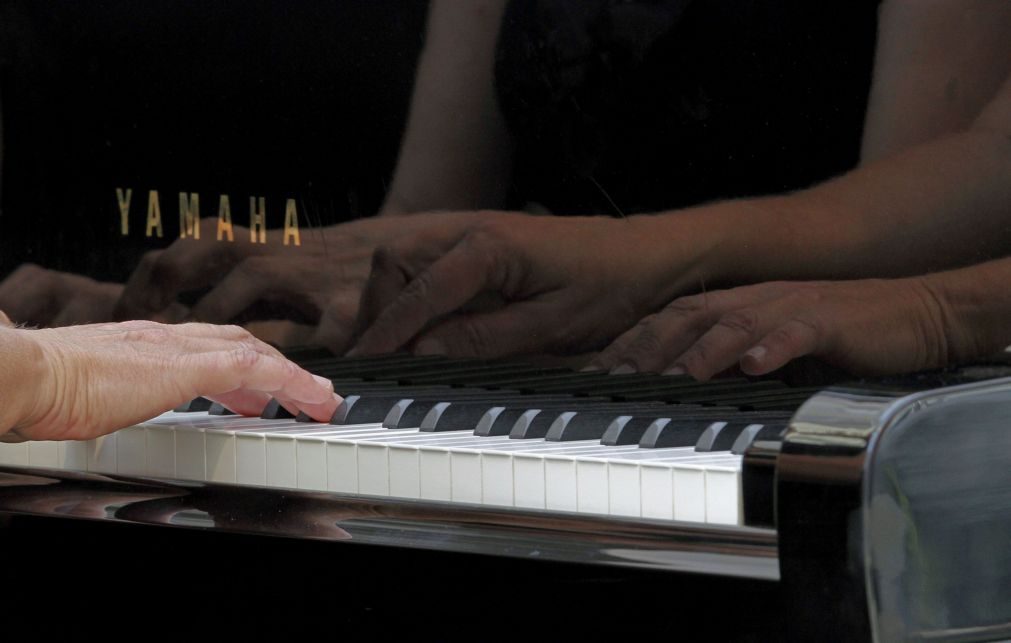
<point x="80" y="382"/>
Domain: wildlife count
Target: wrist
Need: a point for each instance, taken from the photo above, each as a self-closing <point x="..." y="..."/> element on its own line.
<point x="22" y="376"/>
<point x="976" y="305"/>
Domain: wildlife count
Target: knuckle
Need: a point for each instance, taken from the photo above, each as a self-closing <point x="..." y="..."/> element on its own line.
<point x="744" y="322"/>
<point x="685" y="305"/>
<point x="148" y="335"/>
<point x="245" y="358"/>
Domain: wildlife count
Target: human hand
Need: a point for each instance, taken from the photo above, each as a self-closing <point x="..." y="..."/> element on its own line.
<point x="864" y="327"/>
<point x="83" y="381"/>
<point x="512" y="283"/>
<point x="40" y="297"/>
<point x="319" y="281"/>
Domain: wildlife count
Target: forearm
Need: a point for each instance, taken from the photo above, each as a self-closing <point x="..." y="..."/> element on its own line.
<point x="937" y="206"/>
<point x="456" y="152"/>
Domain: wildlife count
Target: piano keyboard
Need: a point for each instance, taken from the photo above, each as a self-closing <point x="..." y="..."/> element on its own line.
<point x="643" y="446"/>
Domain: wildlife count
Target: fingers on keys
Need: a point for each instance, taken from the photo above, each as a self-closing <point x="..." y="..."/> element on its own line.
<point x="704" y="335"/>
<point x="230" y="366"/>
<point x="444" y="286"/>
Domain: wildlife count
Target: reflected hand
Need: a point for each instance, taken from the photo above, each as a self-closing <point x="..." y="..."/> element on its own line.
<point x="83" y="381"/>
<point x="39" y="297"/>
<point x="864" y="327"/>
<point x="512" y="283"/>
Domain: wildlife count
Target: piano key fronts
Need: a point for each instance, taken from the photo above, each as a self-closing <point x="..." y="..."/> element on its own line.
<point x="860" y="509"/>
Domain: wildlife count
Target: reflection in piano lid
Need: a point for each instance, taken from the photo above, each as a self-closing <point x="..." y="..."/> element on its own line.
<point x="854" y="499"/>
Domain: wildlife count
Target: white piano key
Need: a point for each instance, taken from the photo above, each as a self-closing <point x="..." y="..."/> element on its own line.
<point x="656" y="490"/>
<point x="281" y="465"/>
<point x="220" y="456"/>
<point x="373" y="469"/>
<point x="465" y="476"/>
<point x="14" y="454"/>
<point x="342" y="461"/>
<point x="624" y="490"/>
<point x="72" y="455"/>
<point x="405" y="472"/>
<point x="191" y="454"/>
<point x="310" y="455"/>
<point x="561" y="488"/>
<point x="102" y="454"/>
<point x="689" y="492"/>
<point x="435" y="475"/>
<point x="44" y="454"/>
<point x="723" y="495"/>
<point x="131" y="451"/>
<point x="161" y="450"/>
<point x="250" y="459"/>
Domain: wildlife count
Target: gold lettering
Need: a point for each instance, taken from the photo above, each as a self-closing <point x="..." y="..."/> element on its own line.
<point x="291" y="223"/>
<point x="189" y="215"/>
<point x="153" y="214"/>
<point x="225" y="219"/>
<point x="124" y="209"/>
<point x="257" y="220"/>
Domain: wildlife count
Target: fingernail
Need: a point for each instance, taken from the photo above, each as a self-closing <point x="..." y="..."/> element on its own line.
<point x="757" y="353"/>
<point x="338" y="398"/>
<point x="623" y="369"/>
<point x="323" y="381"/>
<point x="430" y="347"/>
<point x="674" y="370"/>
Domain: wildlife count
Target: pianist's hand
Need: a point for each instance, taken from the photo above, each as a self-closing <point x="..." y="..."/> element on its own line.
<point x="864" y="327"/>
<point x="82" y="381"/>
<point x="513" y="283"/>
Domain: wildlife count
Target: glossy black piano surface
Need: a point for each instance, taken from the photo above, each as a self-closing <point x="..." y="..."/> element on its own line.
<point x="870" y="510"/>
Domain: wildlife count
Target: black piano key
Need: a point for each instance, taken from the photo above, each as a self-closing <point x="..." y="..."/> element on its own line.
<point x="755" y="433"/>
<point x="625" y="429"/>
<point x="630" y="430"/>
<point x="196" y="405"/>
<point x="274" y="411"/>
<point x="411" y="412"/>
<point x="218" y="409"/>
<point x="592" y="425"/>
<point x="466" y="414"/>
<point x="535" y="423"/>
<point x="373" y="407"/>
<point x="674" y="432"/>
<point x="499" y="419"/>
<point x="720" y="436"/>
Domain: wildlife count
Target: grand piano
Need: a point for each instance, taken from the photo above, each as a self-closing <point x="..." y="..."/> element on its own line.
<point x="745" y="509"/>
